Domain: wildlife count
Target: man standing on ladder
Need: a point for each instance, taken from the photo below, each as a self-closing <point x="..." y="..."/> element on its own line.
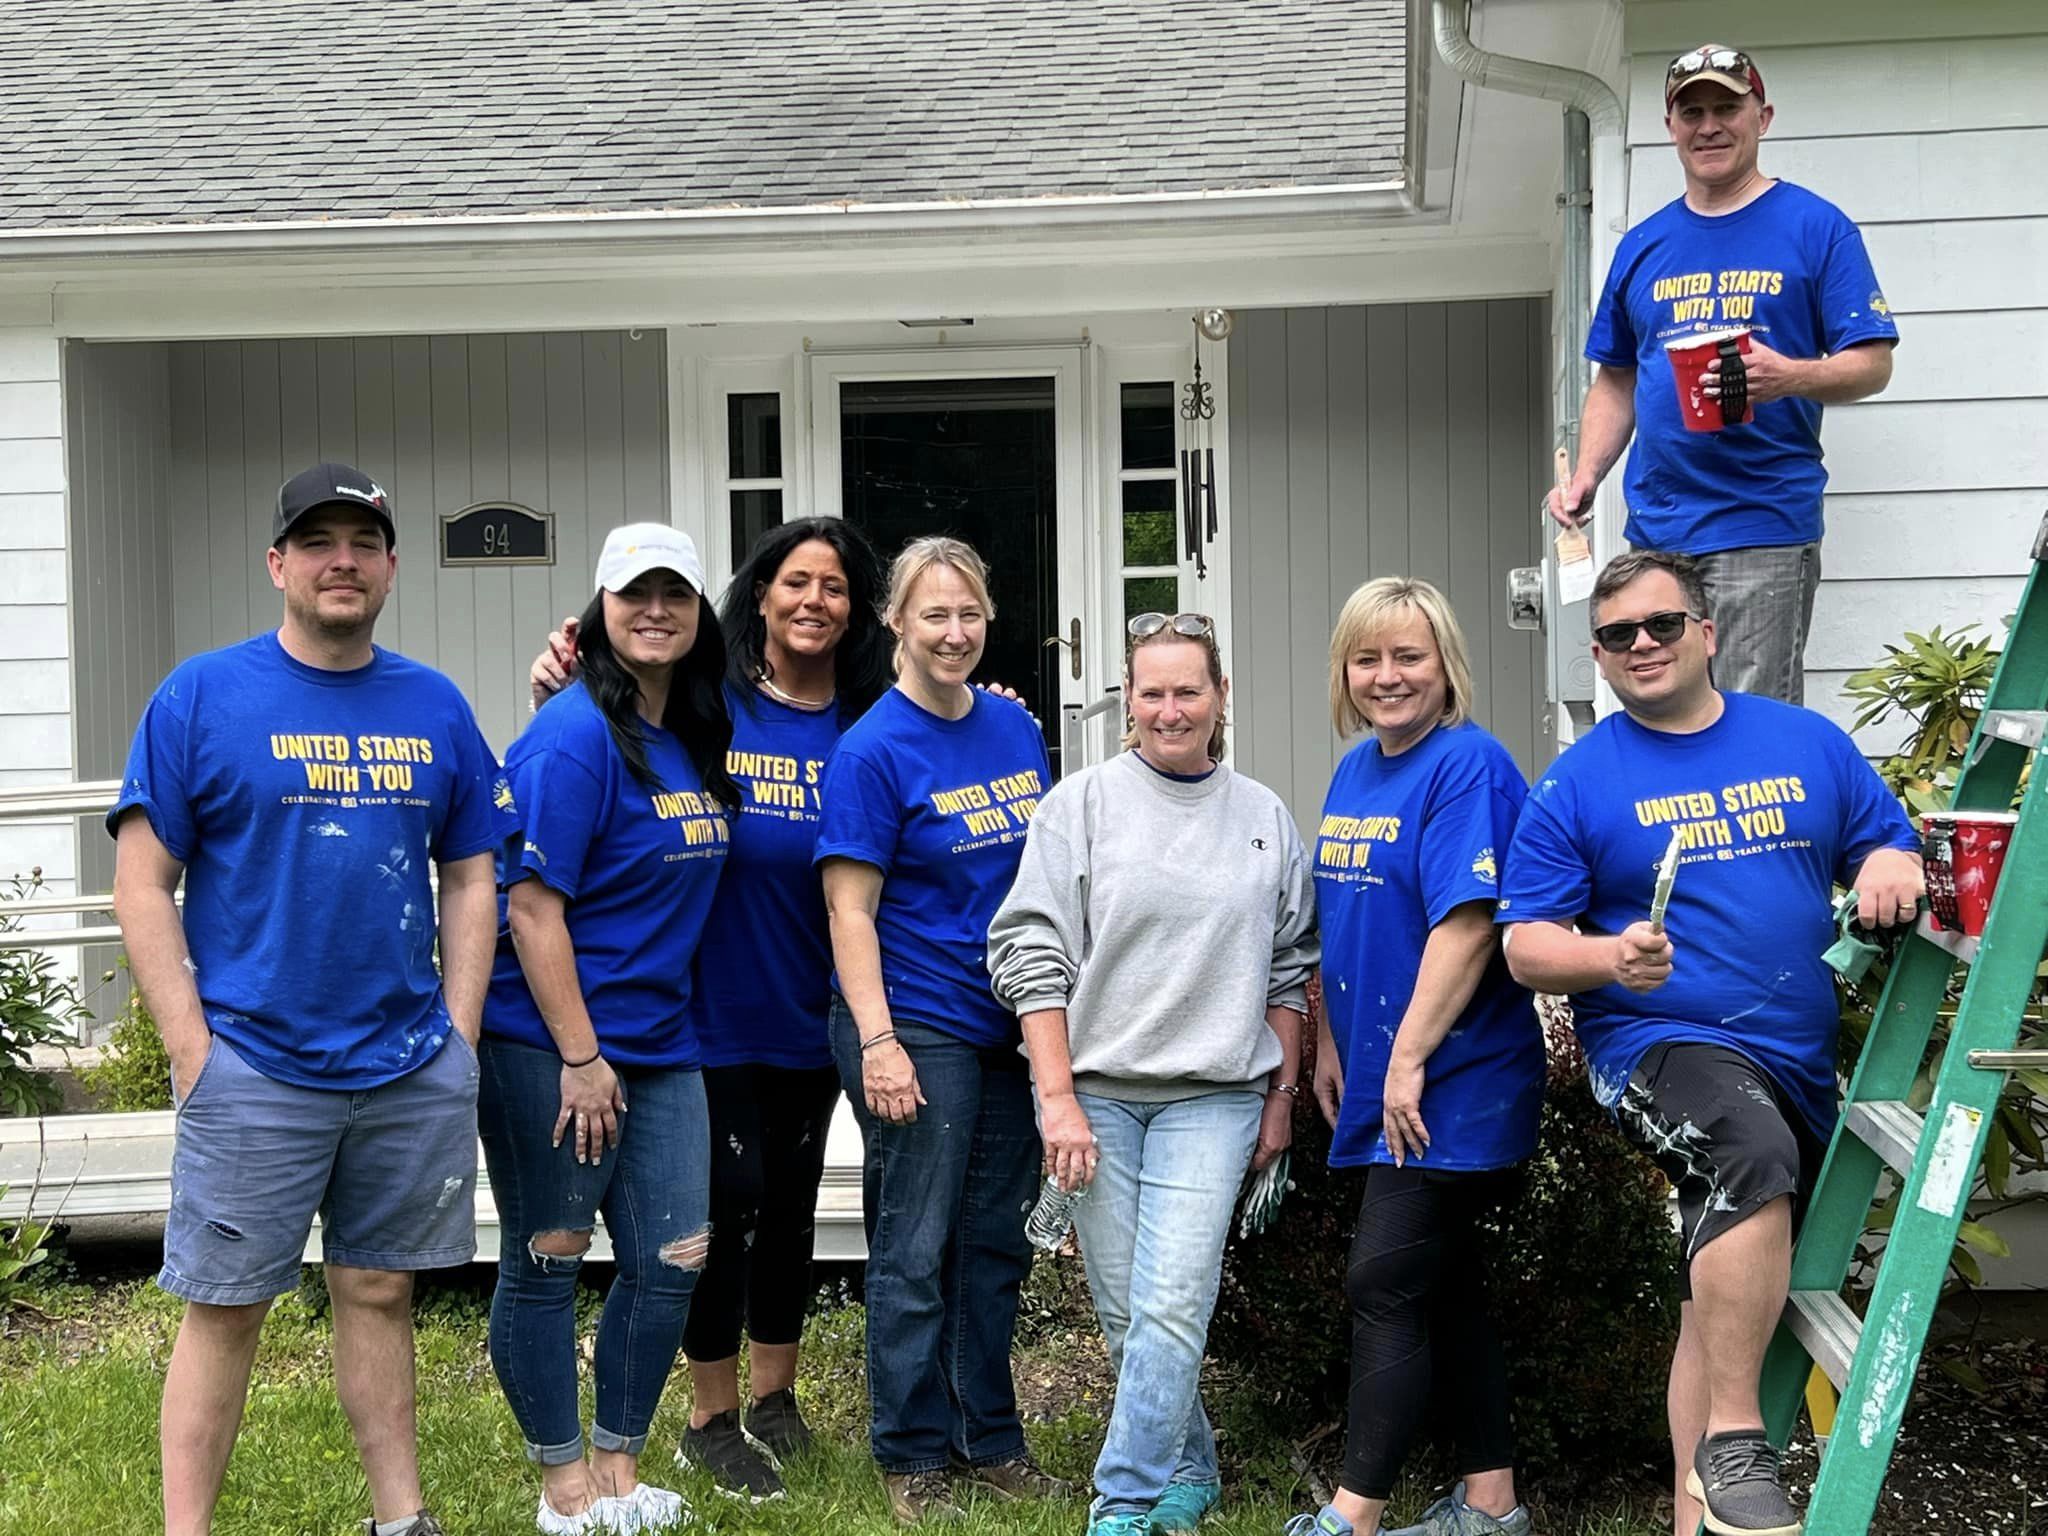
<point x="1740" y="252"/>
<point x="300" y="783"/>
<point x="1672" y="872"/>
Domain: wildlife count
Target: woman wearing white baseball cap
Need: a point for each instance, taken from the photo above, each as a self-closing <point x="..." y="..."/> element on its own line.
<point x="591" y="1098"/>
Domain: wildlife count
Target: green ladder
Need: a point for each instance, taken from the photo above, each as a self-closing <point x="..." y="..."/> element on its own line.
<point x="1872" y="1360"/>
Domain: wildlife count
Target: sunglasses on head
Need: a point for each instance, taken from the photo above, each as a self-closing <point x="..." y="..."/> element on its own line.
<point x="1726" y="61"/>
<point x="1196" y="626"/>
<point x="1663" y="627"/>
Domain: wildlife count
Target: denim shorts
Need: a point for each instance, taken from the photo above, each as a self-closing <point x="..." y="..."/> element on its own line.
<point x="391" y="1171"/>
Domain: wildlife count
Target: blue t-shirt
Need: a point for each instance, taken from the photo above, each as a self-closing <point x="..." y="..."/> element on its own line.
<point x="1776" y="807"/>
<point x="639" y="864"/>
<point x="1792" y="268"/>
<point x="940" y="807"/>
<point x="306" y="807"/>
<point x="764" y="973"/>
<point x="1403" y="841"/>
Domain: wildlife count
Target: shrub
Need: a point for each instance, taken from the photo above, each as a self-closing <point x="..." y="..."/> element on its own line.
<point x="1585" y="1283"/>
<point x="38" y="1006"/>
<point x="134" y="1073"/>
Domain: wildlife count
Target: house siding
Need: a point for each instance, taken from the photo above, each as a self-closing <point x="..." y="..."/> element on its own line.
<point x="573" y="424"/>
<point x="1401" y="439"/>
<point x="1934" y="146"/>
<point x="35" y="638"/>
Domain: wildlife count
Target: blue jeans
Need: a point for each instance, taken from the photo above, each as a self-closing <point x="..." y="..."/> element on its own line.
<point x="1152" y="1232"/>
<point x="946" y="1248"/>
<point x="653" y="1191"/>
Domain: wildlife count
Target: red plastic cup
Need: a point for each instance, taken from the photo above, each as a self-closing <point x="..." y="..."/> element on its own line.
<point x="1689" y="358"/>
<point x="1964" y="850"/>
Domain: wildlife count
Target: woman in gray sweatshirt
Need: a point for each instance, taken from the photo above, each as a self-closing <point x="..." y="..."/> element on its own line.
<point x="1156" y="947"/>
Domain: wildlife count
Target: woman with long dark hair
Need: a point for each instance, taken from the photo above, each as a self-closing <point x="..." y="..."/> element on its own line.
<point x="807" y="655"/>
<point x="591" y="1098"/>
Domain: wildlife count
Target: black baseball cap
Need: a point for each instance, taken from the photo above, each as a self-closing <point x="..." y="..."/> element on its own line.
<point x="326" y="485"/>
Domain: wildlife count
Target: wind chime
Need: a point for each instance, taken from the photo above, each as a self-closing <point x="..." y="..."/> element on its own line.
<point x="1198" y="447"/>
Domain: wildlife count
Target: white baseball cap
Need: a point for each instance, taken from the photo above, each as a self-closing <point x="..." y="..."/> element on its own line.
<point x="638" y="548"/>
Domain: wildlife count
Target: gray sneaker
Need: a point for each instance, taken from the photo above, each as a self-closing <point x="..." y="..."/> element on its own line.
<point x="1735" y="1475"/>
<point x="1452" y="1516"/>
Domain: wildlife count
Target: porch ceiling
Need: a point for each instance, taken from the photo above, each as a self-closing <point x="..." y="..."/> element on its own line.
<point x="171" y="112"/>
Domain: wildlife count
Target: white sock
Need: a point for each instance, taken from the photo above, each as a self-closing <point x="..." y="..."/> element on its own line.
<point x="396" y="1527"/>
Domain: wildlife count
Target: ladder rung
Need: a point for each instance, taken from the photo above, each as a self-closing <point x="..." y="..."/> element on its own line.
<point x="1890" y="1128"/>
<point x="2021" y="727"/>
<point x="1962" y="946"/>
<point x="2007" y="1061"/>
<point x="1823" y="1324"/>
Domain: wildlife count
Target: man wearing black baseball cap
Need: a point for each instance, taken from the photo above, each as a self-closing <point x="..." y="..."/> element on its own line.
<point x="330" y="485"/>
<point x="303" y="784"/>
<point x="1768" y="291"/>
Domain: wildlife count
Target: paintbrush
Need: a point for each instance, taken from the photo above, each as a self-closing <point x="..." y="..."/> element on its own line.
<point x="1574" y="554"/>
<point x="1667" y="876"/>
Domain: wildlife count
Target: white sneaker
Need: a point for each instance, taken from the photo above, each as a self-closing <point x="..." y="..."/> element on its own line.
<point x="551" y="1522"/>
<point x="656" y="1509"/>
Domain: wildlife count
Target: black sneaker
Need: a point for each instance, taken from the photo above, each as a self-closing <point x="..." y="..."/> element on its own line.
<point x="1735" y="1476"/>
<point x="737" y="1467"/>
<point x="773" y="1421"/>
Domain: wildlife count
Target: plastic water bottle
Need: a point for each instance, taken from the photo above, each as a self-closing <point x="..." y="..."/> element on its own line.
<point x="1053" y="1217"/>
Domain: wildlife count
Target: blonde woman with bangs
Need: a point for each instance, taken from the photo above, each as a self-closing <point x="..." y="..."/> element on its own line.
<point x="1429" y="1063"/>
<point x="1157" y="947"/>
<point x="926" y="801"/>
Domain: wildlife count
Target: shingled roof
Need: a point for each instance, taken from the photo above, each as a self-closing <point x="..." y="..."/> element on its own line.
<point x="125" y="112"/>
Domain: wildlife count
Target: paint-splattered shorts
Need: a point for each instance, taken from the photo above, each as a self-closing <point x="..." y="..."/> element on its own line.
<point x="391" y="1171"/>
<point x="1723" y="1133"/>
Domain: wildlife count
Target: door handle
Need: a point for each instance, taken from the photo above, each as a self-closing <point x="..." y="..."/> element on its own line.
<point x="1072" y="641"/>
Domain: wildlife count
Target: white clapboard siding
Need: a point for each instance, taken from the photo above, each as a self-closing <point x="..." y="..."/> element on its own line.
<point x="1934" y="144"/>
<point x="1385" y="440"/>
<point x="1851" y="89"/>
<point x="35" y="695"/>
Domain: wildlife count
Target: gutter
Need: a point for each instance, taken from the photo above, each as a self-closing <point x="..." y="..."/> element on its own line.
<point x="995" y="217"/>
<point x="1596" y="176"/>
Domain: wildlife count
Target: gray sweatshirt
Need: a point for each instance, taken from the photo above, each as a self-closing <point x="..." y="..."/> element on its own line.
<point x="1164" y="915"/>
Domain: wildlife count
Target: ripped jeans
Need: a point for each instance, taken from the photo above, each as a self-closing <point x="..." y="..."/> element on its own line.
<point x="653" y="1191"/>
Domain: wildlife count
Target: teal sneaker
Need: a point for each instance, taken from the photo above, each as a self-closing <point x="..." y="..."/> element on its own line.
<point x="1324" y="1522"/>
<point x="1452" y="1516"/>
<point x="1185" y="1505"/>
<point x="1120" y="1525"/>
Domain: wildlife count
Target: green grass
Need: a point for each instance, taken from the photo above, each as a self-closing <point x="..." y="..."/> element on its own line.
<point x="78" y="1407"/>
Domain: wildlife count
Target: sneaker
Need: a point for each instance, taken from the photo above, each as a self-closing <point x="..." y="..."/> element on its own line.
<point x="1121" y="1525"/>
<point x="774" y="1423"/>
<point x="916" y="1498"/>
<point x="1018" y="1477"/>
<point x="723" y="1449"/>
<point x="1452" y="1516"/>
<point x="423" y="1524"/>
<point x="1324" y="1522"/>
<point x="1735" y="1475"/>
<point x="550" y="1521"/>
<point x="1185" y="1505"/>
<point x="657" y="1509"/>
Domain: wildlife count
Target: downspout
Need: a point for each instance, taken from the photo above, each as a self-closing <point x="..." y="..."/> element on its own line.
<point x="1595" y="176"/>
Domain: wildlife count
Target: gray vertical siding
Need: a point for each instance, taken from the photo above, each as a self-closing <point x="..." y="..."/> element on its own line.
<point x="1391" y="439"/>
<point x="117" y="401"/>
<point x="573" y="424"/>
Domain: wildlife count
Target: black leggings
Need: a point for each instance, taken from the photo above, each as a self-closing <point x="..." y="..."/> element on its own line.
<point x="768" y="1128"/>
<point x="1422" y="1331"/>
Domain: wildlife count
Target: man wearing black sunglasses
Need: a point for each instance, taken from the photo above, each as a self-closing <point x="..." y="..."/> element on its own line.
<point x="1727" y="460"/>
<point x="1709" y="1021"/>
